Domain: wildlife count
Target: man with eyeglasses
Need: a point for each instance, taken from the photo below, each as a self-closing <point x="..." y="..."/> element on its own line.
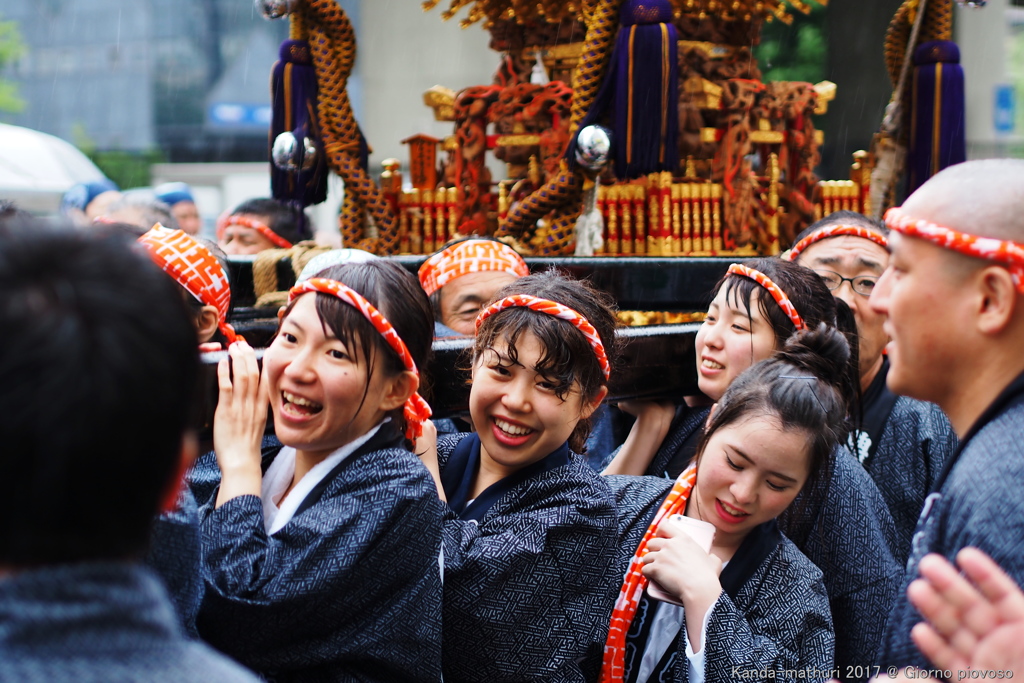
<point x="902" y="442"/>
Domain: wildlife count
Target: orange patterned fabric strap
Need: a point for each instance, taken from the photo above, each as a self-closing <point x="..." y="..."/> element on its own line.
<point x="780" y="297"/>
<point x="557" y="310"/>
<point x="1004" y="252"/>
<point x="224" y="222"/>
<point x="193" y="267"/>
<point x="835" y="231"/>
<point x="416" y="409"/>
<point x="613" y="666"/>
<point x="469" y="256"/>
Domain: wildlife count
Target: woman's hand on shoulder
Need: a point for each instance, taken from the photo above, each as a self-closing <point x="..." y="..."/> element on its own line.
<point x="239" y="422"/>
<point x="653" y="419"/>
<point x="426" y="448"/>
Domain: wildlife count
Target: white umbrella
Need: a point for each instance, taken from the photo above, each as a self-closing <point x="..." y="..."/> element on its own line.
<point x="30" y="160"/>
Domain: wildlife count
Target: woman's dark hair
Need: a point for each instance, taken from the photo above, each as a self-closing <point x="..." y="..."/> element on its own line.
<point x="802" y="386"/>
<point x="814" y="303"/>
<point x="568" y="357"/>
<point x="396" y="293"/>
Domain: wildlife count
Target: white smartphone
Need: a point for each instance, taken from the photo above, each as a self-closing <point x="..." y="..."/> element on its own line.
<point x="700" y="531"/>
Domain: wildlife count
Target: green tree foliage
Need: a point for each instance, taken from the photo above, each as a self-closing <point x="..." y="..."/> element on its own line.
<point x="794" y="52"/>
<point x="127" y="169"/>
<point x="11" y="48"/>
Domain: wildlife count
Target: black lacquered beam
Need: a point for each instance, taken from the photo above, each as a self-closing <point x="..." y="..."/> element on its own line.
<point x="657" y="362"/>
<point x="676" y="284"/>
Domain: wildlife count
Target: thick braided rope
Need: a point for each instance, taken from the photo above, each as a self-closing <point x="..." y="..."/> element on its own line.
<point x="557" y="310"/>
<point x="780" y="297"/>
<point x="226" y="221"/>
<point x="332" y="44"/>
<point x="564" y="190"/>
<point x="416" y="409"/>
<point x="937" y="25"/>
<point x="835" y="231"/>
<point x="634" y="583"/>
<point x="1006" y="253"/>
<point x="193" y="267"/>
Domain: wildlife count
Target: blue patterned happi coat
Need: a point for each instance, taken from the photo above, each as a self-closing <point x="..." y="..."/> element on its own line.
<point x="348" y="590"/>
<point x="528" y="568"/>
<point x="99" y="622"/>
<point x="174" y="552"/>
<point x="978" y="503"/>
<point x="845" y="528"/>
<point x="903" y="443"/>
<point x="773" y="616"/>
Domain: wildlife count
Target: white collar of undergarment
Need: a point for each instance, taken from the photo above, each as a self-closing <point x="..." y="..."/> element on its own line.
<point x="281" y="472"/>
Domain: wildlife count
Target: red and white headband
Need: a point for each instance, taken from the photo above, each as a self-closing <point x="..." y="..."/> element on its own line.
<point x="556" y="310"/>
<point x="262" y="228"/>
<point x="416" y="409"/>
<point x="193" y="267"/>
<point x="1004" y="252"/>
<point x="469" y="256"/>
<point x="780" y="297"/>
<point x="835" y="231"/>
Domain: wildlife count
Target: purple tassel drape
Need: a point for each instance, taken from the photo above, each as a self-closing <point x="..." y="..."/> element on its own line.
<point x="937" y="124"/>
<point x="639" y="96"/>
<point x="293" y="92"/>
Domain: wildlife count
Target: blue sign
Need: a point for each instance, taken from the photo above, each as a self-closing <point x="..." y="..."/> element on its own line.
<point x="242" y="115"/>
<point x="1005" y="111"/>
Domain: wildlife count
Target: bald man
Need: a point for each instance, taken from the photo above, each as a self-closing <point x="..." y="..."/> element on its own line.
<point x="955" y="307"/>
<point x="903" y="443"/>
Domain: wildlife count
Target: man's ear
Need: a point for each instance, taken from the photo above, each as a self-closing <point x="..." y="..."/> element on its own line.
<point x="589" y="408"/>
<point x="206" y="323"/>
<point x="399" y="389"/>
<point x="998" y="297"/>
<point x="187" y="456"/>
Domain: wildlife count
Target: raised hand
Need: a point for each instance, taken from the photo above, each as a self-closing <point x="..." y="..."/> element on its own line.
<point x="239" y="422"/>
<point x="974" y="621"/>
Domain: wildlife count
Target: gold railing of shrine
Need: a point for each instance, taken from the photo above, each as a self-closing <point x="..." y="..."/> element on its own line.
<point x="662" y="218"/>
<point x="654" y="216"/>
<point x="840" y="195"/>
<point x="427" y="219"/>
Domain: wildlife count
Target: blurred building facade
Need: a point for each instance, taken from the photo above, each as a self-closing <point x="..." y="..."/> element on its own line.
<point x="186" y="76"/>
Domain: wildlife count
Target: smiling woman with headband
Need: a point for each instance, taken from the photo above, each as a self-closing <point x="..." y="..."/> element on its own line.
<point x="530" y="528"/>
<point x="755" y="309"/>
<point x="771" y="435"/>
<point x="295" y="538"/>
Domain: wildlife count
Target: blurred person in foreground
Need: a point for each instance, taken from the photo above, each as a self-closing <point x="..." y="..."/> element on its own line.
<point x="95" y="395"/>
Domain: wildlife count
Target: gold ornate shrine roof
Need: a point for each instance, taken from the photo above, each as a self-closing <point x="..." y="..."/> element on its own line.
<point x="555" y="11"/>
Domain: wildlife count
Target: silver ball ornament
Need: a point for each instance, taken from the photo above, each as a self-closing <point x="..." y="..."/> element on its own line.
<point x="974" y="4"/>
<point x="285" y="152"/>
<point x="275" y="9"/>
<point x="593" y="147"/>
